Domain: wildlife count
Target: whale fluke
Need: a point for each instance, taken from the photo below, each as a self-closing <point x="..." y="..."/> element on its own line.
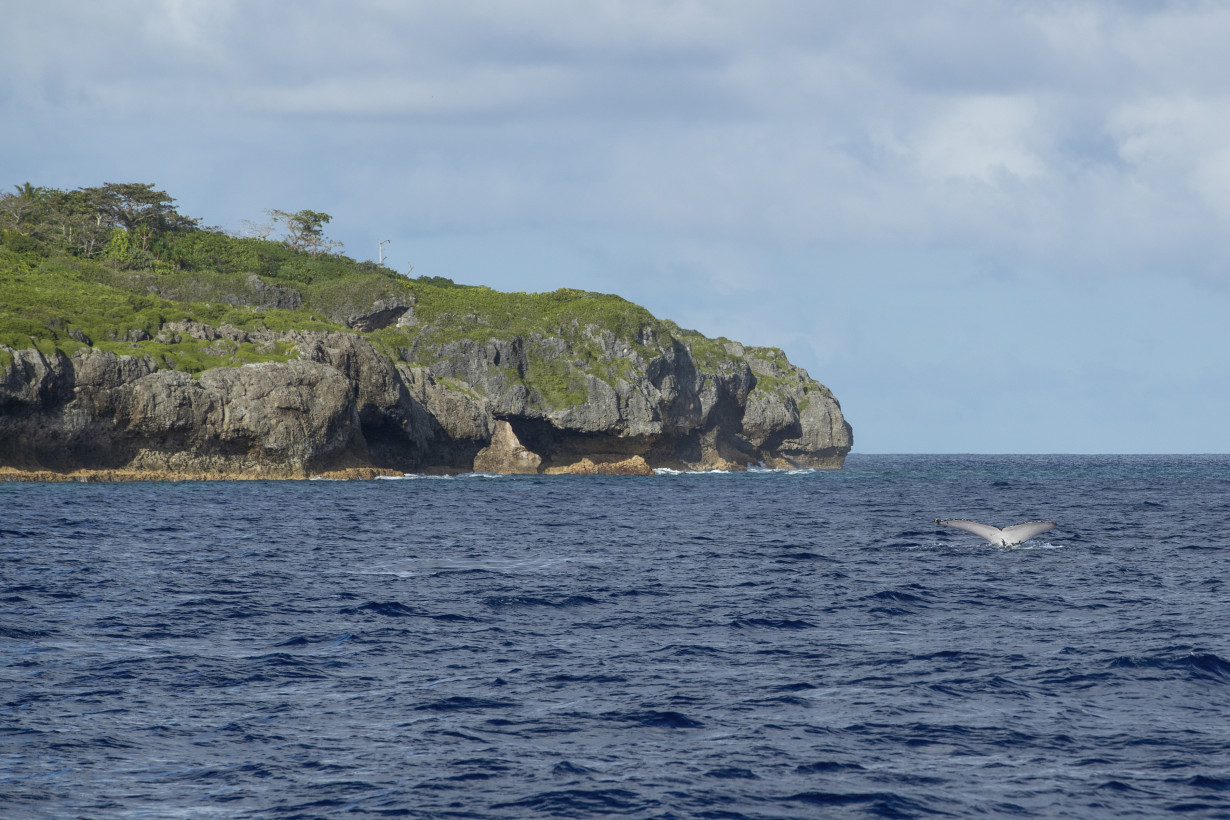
<point x="1007" y="537"/>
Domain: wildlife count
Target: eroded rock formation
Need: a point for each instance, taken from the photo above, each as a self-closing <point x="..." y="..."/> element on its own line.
<point x="521" y="405"/>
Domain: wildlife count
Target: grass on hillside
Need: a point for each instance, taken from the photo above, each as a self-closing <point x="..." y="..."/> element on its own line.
<point x="58" y="302"/>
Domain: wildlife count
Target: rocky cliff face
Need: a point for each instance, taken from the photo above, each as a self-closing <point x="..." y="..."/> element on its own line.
<point x="534" y="403"/>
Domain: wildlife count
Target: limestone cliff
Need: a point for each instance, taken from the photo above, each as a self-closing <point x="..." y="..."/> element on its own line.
<point x="134" y="342"/>
<point x="583" y="398"/>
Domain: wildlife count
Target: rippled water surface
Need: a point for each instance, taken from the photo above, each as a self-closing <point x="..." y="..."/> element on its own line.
<point x="760" y="645"/>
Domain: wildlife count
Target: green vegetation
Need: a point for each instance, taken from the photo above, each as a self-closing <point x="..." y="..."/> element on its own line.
<point x="557" y="383"/>
<point x="568" y="334"/>
<point x="110" y="267"/>
<point x="57" y="306"/>
<point x="454" y="312"/>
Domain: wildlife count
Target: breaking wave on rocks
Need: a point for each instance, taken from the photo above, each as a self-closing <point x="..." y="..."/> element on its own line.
<point x="770" y="644"/>
<point x="752" y="469"/>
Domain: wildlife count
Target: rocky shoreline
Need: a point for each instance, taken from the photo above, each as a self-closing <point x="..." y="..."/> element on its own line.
<point x="338" y="407"/>
<point x="634" y="466"/>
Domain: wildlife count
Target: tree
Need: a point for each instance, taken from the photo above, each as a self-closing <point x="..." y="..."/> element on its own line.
<point x="14" y="208"/>
<point x="72" y="220"/>
<point x="258" y="230"/>
<point x="118" y="249"/>
<point x="305" y="231"/>
<point x="134" y="205"/>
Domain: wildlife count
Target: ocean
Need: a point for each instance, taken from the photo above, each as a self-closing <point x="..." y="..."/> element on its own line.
<point x="722" y="645"/>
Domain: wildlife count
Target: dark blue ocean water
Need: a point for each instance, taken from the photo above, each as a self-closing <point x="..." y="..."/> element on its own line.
<point x="761" y="645"/>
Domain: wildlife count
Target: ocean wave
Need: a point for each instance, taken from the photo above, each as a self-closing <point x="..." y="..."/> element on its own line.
<point x="520" y="601"/>
<point x="654" y="719"/>
<point x="772" y="623"/>
<point x="463" y="702"/>
<point x="580" y="802"/>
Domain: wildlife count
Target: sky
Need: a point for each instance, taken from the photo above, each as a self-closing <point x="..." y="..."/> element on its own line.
<point x="988" y="226"/>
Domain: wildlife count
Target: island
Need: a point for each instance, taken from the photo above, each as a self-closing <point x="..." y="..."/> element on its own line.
<point x="137" y="344"/>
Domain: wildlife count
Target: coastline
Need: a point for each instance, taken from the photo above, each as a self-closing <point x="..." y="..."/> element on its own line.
<point x="585" y="467"/>
<point x="81" y="475"/>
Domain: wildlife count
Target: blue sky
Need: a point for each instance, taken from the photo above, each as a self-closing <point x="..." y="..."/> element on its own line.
<point x="987" y="226"/>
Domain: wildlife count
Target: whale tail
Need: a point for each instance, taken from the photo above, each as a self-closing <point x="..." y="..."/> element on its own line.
<point x="1005" y="537"/>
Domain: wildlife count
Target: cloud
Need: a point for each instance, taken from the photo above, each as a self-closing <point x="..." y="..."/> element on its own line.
<point x="482" y="90"/>
<point x="1041" y="131"/>
<point x="981" y="138"/>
